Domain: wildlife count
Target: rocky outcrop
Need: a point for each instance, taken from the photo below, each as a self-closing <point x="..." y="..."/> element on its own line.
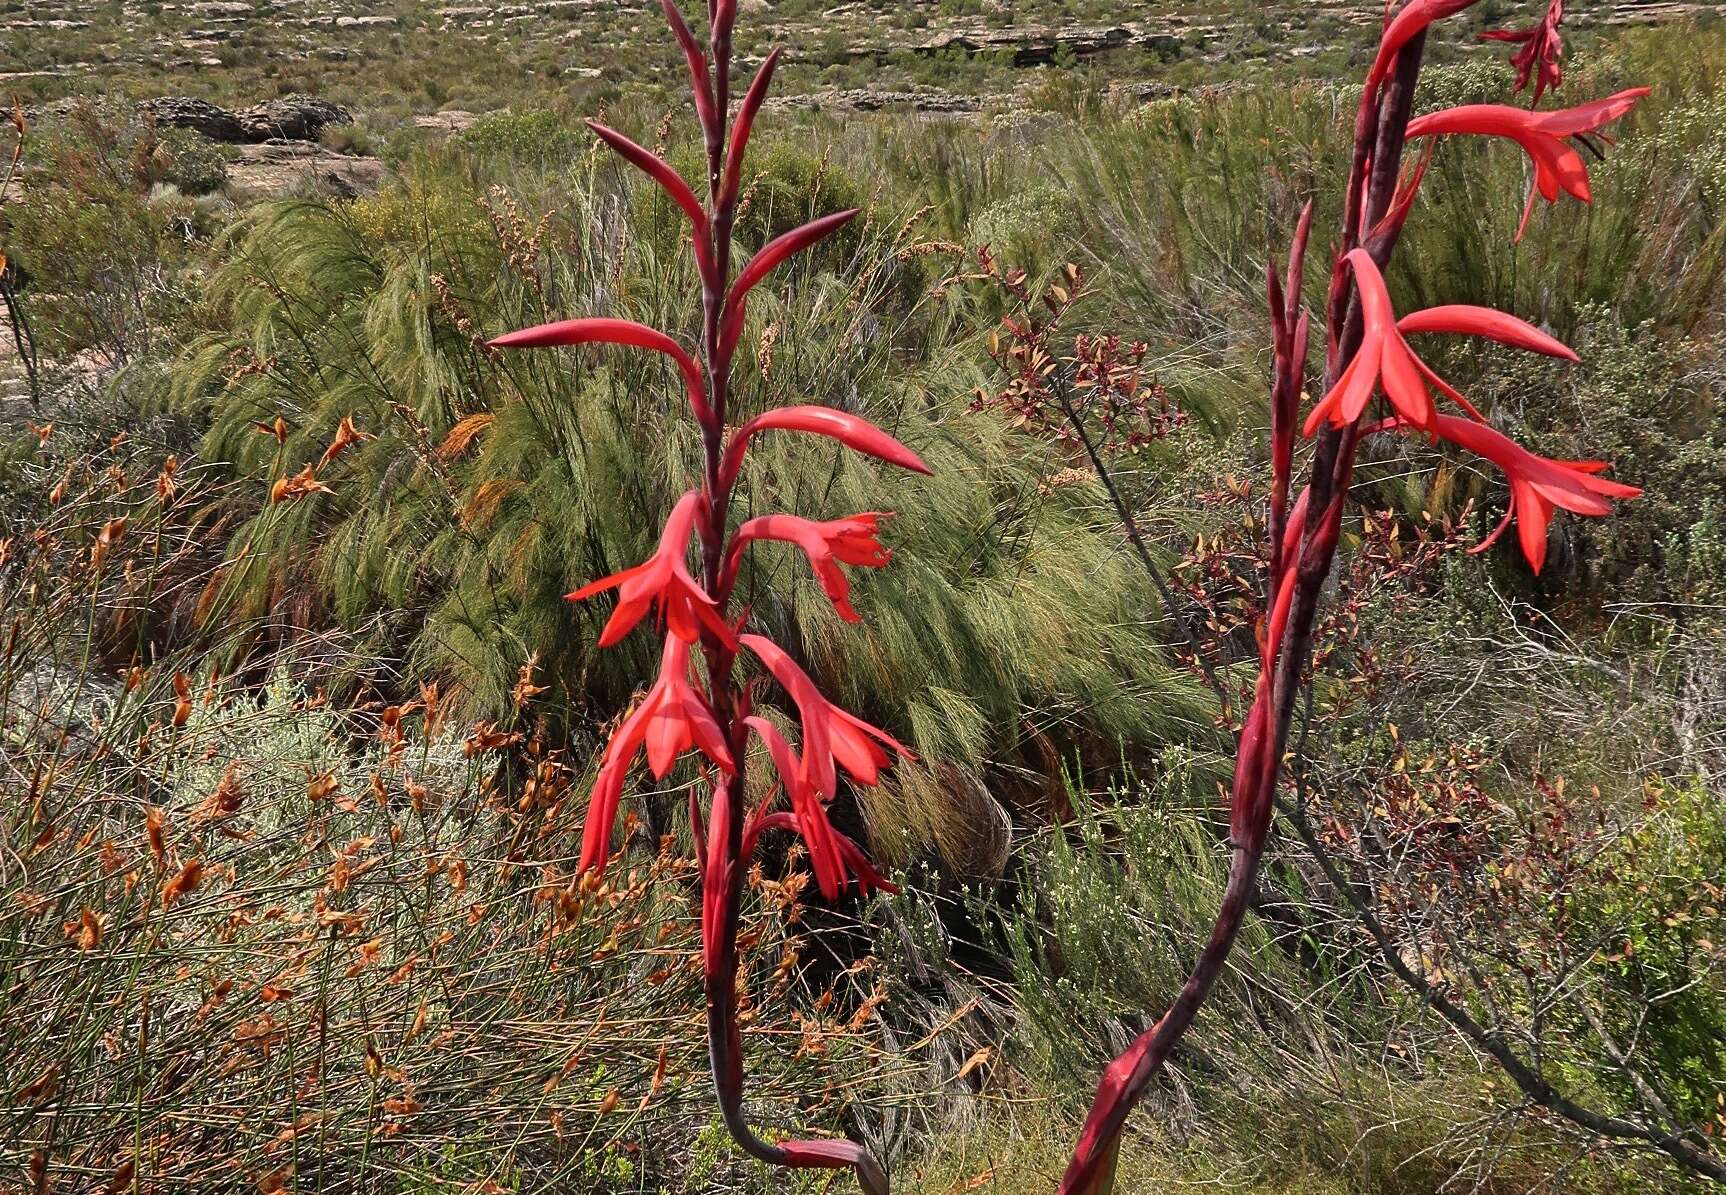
<point x="289" y="168"/>
<point x="201" y="116"/>
<point x="1028" y="47"/>
<point x="450" y="120"/>
<point x="865" y="99"/>
<point x="291" y="118"/>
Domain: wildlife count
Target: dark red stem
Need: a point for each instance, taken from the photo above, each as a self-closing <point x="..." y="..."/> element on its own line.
<point x="726" y="855"/>
<point x="1379" y="136"/>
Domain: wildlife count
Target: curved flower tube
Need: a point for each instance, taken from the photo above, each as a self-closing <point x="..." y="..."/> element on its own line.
<point x="1410" y="21"/>
<point x="700" y="81"/>
<point x="743" y="127"/>
<point x="765" y="262"/>
<point x="849" y="540"/>
<point x="660" y="171"/>
<point x="663" y="579"/>
<point x="1557" y="166"/>
<point x="614" y="331"/>
<point x="673" y="718"/>
<point x="853" y="431"/>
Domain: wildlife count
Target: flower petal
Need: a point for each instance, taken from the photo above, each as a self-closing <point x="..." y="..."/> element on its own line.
<point x="853" y="431"/>
<point x="612" y="331"/>
<point x="1468" y="320"/>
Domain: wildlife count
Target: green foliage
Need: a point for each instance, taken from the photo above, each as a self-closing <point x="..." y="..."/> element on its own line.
<point x="1032" y="227"/>
<point x="1009" y="612"/>
<point x="196" y="165"/>
<point x="532" y="135"/>
<point x="1657" y="913"/>
<point x="102" y="239"/>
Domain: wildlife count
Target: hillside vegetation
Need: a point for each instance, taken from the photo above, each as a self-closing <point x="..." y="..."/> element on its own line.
<point x="298" y="729"/>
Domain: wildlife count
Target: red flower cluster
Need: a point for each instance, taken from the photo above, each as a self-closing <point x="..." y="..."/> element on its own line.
<point x="1542" y="47"/>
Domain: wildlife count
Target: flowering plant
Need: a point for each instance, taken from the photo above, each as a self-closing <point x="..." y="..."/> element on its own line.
<point x="1367" y="355"/>
<point x="710" y="710"/>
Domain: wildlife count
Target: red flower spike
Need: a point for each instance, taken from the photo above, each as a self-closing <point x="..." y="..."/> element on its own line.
<point x="1304" y="546"/>
<point x="614" y="331"/>
<point x="830" y="735"/>
<point x="673" y="718"/>
<point x="1538" y="484"/>
<point x="663" y="578"/>
<point x="812" y="824"/>
<point x="1542" y="49"/>
<point x="828" y="545"/>
<point x="853" y="431"/>
<point x="1557" y="166"/>
<point x="742" y="127"/>
<point x="764" y="262"/>
<point x="660" y="171"/>
<point x="676" y="716"/>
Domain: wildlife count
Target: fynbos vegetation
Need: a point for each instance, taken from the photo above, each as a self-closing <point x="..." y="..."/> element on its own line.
<point x="1043" y="664"/>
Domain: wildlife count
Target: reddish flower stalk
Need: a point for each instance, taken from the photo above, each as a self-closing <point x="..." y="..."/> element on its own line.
<point x="1366" y="355"/>
<point x="714" y="714"/>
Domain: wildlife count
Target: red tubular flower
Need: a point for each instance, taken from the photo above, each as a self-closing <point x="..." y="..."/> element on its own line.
<point x="1542" y="48"/>
<point x="828" y="545"/>
<point x="811" y="817"/>
<point x="660" y="171"/>
<point x="1557" y="165"/>
<point x="743" y="126"/>
<point x="1537" y="483"/>
<point x="852" y="431"/>
<point x="673" y="718"/>
<point x="665" y="579"/>
<point x="1411" y="20"/>
<point x="836" y="1154"/>
<point x="830" y="735"/>
<point x="764" y="263"/>
<point x="1386" y="361"/>
<point x="614" y="331"/>
<point x="700" y="79"/>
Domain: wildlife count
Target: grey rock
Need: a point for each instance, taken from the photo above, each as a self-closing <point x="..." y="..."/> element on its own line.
<point x="201" y="116"/>
<point x="291" y="118"/>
